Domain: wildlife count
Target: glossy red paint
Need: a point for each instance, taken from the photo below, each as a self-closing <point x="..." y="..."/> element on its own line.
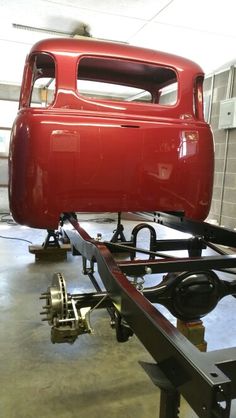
<point x="90" y="154"/>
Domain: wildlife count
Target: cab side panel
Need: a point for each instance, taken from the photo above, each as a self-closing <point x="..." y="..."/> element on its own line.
<point x="66" y="163"/>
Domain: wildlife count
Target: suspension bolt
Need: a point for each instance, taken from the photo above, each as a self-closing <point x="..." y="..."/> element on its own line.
<point x="46" y="306"/>
<point x="148" y="270"/>
<point x="44" y="296"/>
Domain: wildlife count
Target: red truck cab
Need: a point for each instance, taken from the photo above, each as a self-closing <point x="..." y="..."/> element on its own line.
<point x="106" y="127"/>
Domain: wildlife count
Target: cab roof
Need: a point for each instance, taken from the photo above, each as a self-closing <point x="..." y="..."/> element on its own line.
<point x="91" y="46"/>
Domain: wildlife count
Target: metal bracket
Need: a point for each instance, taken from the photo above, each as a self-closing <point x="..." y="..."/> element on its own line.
<point x="119" y="231"/>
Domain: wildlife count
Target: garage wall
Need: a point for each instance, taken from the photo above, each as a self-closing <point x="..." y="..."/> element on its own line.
<point x="219" y="87"/>
<point x="8" y="109"/>
<point x="4" y="204"/>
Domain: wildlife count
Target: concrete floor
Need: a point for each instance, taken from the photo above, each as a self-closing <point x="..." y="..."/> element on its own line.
<point x="94" y="378"/>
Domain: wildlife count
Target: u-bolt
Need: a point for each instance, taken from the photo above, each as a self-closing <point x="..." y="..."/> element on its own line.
<point x="153" y="237"/>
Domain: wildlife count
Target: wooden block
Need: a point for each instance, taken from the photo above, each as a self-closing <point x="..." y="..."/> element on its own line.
<point x="194" y="331"/>
<point x="50" y="253"/>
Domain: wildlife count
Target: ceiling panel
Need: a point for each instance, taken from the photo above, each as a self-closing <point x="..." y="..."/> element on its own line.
<point x="54" y="16"/>
<point x="208" y="16"/>
<point x="202" y="30"/>
<point x="141" y="9"/>
<point x="209" y="50"/>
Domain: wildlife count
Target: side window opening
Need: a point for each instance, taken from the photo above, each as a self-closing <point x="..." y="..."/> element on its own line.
<point x="43" y="80"/>
<point x="198" y="98"/>
<point x="123" y="80"/>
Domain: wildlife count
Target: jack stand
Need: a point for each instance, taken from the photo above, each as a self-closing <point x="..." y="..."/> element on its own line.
<point x="51" y="240"/>
<point x="170" y="396"/>
<point x="51" y="249"/>
<point x="194" y="331"/>
<point x="118" y="233"/>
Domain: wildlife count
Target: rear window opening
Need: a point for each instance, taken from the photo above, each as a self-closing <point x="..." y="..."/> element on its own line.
<point x="169" y="94"/>
<point x="102" y="90"/>
<point x="124" y="80"/>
